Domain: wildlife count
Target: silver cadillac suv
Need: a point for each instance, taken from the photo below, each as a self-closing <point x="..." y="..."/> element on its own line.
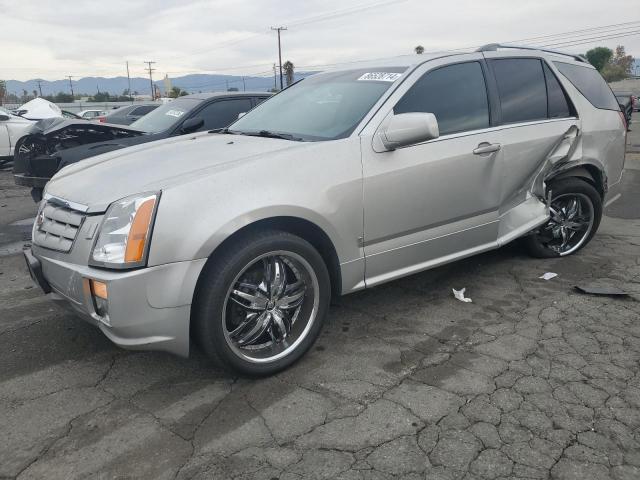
<point x="350" y="178"/>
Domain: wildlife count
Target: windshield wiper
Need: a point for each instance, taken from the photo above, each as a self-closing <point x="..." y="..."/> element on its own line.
<point x="267" y="134"/>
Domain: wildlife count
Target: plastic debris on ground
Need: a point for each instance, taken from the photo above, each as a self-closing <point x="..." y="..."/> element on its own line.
<point x="548" y="276"/>
<point x="459" y="294"/>
<point x="605" y="290"/>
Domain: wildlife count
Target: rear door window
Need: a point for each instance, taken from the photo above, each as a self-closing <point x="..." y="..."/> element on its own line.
<point x="142" y="110"/>
<point x="522" y="89"/>
<point x="223" y="112"/>
<point x="455" y="94"/>
<point x="557" y="103"/>
<point x="590" y="84"/>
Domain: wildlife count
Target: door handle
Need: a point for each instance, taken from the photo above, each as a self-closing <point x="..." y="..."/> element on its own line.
<point x="485" y="147"/>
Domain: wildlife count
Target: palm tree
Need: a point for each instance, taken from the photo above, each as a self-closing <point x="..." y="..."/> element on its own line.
<point x="419" y="49"/>
<point x="288" y="71"/>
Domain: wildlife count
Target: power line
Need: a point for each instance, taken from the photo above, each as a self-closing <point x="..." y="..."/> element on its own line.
<point x="573" y="43"/>
<point x="303" y="21"/>
<point x="570" y="33"/>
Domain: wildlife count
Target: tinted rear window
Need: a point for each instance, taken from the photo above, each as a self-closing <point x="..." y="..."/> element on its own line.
<point x="522" y="89"/>
<point x="557" y="100"/>
<point x="590" y="84"/>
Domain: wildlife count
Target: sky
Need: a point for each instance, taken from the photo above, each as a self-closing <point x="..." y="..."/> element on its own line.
<point x="51" y="39"/>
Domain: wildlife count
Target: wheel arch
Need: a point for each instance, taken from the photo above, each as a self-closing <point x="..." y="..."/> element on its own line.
<point x="591" y="173"/>
<point x="298" y="226"/>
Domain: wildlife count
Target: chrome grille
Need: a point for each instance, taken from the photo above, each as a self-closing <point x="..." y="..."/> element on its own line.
<point x="57" y="227"/>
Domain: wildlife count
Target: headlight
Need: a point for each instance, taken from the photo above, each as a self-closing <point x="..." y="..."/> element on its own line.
<point x="125" y="233"/>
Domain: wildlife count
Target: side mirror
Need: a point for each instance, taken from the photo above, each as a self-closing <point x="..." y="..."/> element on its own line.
<point x="191" y="125"/>
<point x="242" y="114"/>
<point x="4" y="118"/>
<point x="407" y="129"/>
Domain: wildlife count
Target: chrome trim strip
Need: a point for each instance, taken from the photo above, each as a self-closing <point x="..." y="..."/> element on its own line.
<point x="504" y="126"/>
<point x="79" y="207"/>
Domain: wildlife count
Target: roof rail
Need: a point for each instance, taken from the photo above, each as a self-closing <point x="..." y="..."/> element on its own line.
<point x="492" y="47"/>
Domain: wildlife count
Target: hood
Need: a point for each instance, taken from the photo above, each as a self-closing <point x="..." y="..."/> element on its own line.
<point x="39" y="108"/>
<point x="100" y="180"/>
<point x="55" y="124"/>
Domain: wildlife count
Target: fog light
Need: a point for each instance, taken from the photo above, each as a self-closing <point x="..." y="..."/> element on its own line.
<point x="99" y="289"/>
<point x="100" y="297"/>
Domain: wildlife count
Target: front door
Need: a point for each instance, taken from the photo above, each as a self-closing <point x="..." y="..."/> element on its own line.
<point x="429" y="203"/>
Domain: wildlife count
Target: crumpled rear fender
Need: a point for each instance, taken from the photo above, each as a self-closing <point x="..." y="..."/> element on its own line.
<point x="565" y="159"/>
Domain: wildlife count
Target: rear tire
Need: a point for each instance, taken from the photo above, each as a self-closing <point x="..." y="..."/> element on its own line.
<point x="260" y="303"/>
<point x="576" y="213"/>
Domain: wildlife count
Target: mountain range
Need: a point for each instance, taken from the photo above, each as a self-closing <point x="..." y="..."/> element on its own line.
<point x="116" y="85"/>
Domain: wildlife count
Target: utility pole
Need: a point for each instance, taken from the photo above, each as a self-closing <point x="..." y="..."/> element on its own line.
<point x="71" y="86"/>
<point x="150" y="70"/>
<point x="40" y="86"/>
<point x="129" y="83"/>
<point x="279" y="29"/>
<point x="244" y="85"/>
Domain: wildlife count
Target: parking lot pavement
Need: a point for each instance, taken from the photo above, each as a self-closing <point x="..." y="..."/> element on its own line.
<point x="530" y="380"/>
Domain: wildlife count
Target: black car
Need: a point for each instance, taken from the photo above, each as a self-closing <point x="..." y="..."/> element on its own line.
<point x="53" y="144"/>
<point x="627" y="101"/>
<point x="128" y="114"/>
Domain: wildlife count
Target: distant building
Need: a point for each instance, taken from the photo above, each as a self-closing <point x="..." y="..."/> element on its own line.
<point x="167" y="84"/>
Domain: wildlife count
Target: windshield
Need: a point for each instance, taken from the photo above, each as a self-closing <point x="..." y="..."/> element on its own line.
<point x="165" y="116"/>
<point x="326" y="106"/>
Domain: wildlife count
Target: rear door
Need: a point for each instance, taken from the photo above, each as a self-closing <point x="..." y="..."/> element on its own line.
<point x="538" y="120"/>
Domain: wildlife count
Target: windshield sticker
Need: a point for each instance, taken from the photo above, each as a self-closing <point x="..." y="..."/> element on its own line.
<point x="381" y="76"/>
<point x="174" y="113"/>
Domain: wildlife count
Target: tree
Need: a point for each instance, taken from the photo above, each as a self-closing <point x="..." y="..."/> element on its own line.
<point x="419" y="49"/>
<point x="288" y="71"/>
<point x="35" y="94"/>
<point x="100" y="97"/>
<point x="599" y="57"/>
<point x="174" y="92"/>
<point x="619" y="67"/>
<point x="3" y="91"/>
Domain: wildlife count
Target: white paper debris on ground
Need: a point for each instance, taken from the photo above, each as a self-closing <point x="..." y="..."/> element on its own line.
<point x="548" y="276"/>
<point x="459" y="294"/>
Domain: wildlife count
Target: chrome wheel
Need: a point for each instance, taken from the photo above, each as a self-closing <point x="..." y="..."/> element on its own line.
<point x="270" y="307"/>
<point x="572" y="217"/>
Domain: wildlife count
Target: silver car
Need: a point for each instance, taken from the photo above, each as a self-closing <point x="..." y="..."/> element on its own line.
<point x="238" y="238"/>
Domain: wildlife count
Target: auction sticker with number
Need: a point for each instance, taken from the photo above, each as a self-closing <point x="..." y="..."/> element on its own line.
<point x="381" y="76"/>
<point x="175" y="113"/>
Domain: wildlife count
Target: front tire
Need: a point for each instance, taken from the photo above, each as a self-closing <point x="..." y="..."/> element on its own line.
<point x="576" y="211"/>
<point x="260" y="303"/>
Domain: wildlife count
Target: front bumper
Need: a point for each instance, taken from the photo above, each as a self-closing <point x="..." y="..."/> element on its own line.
<point x="148" y="308"/>
<point x="29" y="181"/>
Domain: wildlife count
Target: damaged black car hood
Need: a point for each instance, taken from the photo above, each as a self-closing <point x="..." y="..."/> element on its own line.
<point x="53" y="143"/>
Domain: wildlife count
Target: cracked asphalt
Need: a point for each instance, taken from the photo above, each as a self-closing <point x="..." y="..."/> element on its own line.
<point x="531" y="380"/>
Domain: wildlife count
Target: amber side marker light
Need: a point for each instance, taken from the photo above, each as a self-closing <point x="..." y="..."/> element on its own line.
<point x="139" y="232"/>
<point x="98" y="289"/>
